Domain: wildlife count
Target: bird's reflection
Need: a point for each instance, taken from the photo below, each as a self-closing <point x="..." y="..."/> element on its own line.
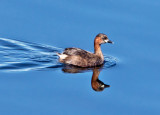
<point x="96" y="84"/>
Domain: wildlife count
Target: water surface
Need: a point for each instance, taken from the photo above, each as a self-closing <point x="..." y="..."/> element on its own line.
<point x="33" y="82"/>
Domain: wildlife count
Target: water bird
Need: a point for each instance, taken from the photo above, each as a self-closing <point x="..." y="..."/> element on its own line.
<point x="81" y="58"/>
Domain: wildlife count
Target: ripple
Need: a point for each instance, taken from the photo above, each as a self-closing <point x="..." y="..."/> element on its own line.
<point x="23" y="56"/>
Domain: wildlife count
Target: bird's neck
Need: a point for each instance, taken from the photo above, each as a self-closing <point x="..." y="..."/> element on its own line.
<point x="97" y="50"/>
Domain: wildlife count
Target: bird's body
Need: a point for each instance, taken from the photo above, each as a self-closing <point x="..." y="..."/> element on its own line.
<point x="81" y="58"/>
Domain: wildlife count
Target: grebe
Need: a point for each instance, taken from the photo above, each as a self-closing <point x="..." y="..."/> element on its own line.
<point x="82" y="58"/>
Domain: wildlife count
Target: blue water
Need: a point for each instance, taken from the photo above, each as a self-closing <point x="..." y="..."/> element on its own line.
<point x="33" y="82"/>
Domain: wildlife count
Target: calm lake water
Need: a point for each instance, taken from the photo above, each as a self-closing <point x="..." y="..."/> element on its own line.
<point x="32" y="82"/>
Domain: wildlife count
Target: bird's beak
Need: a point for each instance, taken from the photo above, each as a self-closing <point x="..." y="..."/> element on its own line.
<point x="108" y="41"/>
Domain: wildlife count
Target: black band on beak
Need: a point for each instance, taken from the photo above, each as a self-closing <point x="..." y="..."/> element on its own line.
<point x="110" y="42"/>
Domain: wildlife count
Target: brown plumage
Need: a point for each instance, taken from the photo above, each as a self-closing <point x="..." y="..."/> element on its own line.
<point x="82" y="58"/>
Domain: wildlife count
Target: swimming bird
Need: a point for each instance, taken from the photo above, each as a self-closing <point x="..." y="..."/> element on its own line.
<point x="81" y="58"/>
